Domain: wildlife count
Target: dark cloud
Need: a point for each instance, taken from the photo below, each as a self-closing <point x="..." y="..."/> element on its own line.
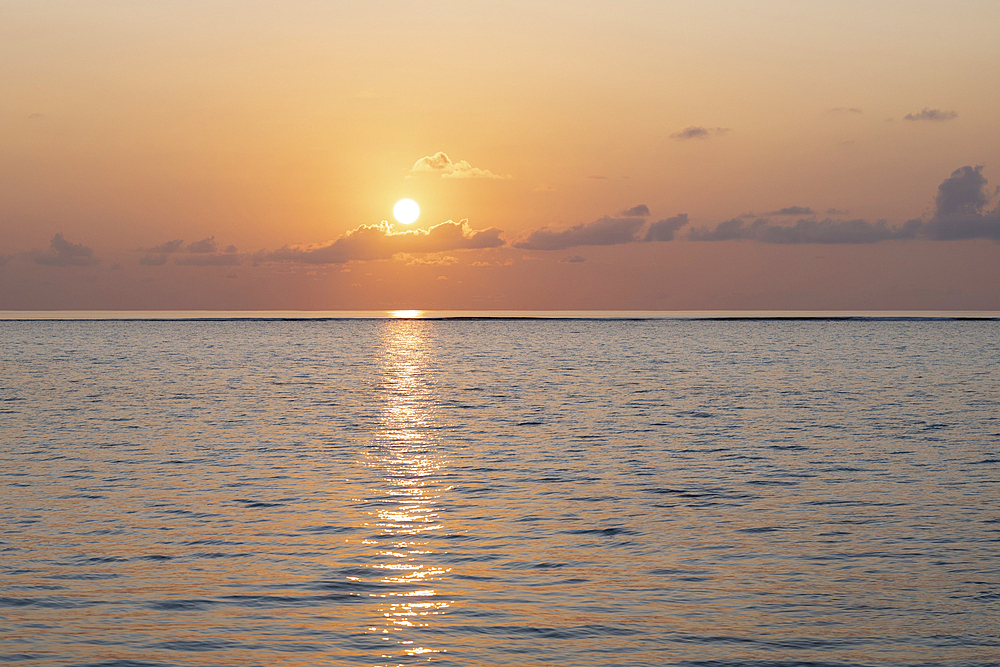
<point x="63" y="253"/>
<point x="698" y="132"/>
<point x="205" y="252"/>
<point x="640" y="211"/>
<point x="962" y="194"/>
<point x="836" y="211"/>
<point x="204" y="246"/>
<point x="807" y="231"/>
<point x="177" y="245"/>
<point x="960" y="208"/>
<point x="369" y="242"/>
<point x="575" y="259"/>
<point x="793" y="210"/>
<point x="969" y="227"/>
<point x="606" y="231"/>
<point x="664" y="230"/>
<point x="35" y="116"/>
<point x="931" y="114"/>
<point x="730" y="230"/>
<point x="961" y="212"/>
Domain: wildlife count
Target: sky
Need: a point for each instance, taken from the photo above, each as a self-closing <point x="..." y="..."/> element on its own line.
<point x="710" y="155"/>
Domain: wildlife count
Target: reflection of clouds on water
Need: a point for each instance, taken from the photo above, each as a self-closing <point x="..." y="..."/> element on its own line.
<point x="404" y="456"/>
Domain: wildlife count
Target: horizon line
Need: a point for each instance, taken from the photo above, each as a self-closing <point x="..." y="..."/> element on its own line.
<point x="596" y="314"/>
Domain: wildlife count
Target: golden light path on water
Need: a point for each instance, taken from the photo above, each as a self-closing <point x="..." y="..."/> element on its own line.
<point x="404" y="457"/>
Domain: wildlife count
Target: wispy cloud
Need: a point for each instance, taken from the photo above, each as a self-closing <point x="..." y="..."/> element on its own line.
<point x="826" y="231"/>
<point x="433" y="260"/>
<point x="371" y="242"/>
<point x="699" y="132"/>
<point x="793" y="210"/>
<point x="931" y="114"/>
<point x="851" y="110"/>
<point x="441" y="164"/>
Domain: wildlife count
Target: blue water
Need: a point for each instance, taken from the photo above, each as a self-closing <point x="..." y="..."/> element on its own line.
<point x="500" y="492"/>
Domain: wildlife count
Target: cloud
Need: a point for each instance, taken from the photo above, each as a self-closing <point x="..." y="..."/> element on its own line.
<point x="606" y="231"/>
<point x="960" y="208"/>
<point x="793" y="210"/>
<point x="209" y="259"/>
<point x="370" y="242"/>
<point x="153" y="260"/>
<point x="845" y="110"/>
<point x="440" y="163"/>
<point x="664" y="230"/>
<point x="177" y="245"/>
<point x="444" y="260"/>
<point x="640" y="211"/>
<point x="826" y="231"/>
<point x="698" y="132"/>
<point x="205" y="252"/>
<point x="962" y="194"/>
<point x="836" y="211"/>
<point x="64" y="253"/>
<point x="575" y="259"/>
<point x="931" y="114"/>
<point x="961" y="212"/>
<point x="203" y="246"/>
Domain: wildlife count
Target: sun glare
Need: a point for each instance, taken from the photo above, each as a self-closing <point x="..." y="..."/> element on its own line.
<point x="406" y="211"/>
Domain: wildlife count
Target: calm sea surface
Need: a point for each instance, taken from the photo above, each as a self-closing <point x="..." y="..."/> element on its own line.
<point x="500" y="492"/>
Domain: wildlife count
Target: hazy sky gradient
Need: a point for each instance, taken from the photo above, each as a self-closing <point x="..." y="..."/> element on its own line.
<point x="243" y="155"/>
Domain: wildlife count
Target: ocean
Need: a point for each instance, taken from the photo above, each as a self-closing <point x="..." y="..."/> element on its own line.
<point x="565" y="491"/>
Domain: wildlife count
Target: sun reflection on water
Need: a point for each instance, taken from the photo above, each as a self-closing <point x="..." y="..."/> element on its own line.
<point x="406" y="314"/>
<point x="404" y="454"/>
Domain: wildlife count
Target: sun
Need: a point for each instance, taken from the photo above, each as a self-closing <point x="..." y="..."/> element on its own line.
<point x="406" y="211"/>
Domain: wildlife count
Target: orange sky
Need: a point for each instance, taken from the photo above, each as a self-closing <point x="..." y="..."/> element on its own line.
<point x="226" y="155"/>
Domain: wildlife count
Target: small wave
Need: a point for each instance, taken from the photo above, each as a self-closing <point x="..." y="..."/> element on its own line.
<point x="603" y="532"/>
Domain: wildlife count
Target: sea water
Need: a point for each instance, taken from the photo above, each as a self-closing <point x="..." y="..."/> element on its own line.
<point x="500" y="492"/>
